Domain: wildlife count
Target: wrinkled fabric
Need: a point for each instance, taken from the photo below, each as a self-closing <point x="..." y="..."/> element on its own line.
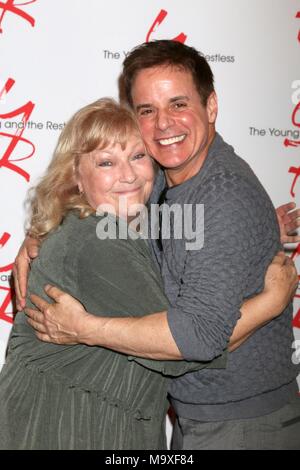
<point x="82" y="397"/>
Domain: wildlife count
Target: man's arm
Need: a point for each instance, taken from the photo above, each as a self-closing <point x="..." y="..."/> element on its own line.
<point x="151" y="336"/>
<point x="66" y="321"/>
<point x="288" y="220"/>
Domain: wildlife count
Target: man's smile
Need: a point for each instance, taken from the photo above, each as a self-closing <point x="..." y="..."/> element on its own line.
<point x="172" y="140"/>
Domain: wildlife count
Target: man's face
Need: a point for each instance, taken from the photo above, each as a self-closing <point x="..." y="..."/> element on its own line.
<point x="176" y="127"/>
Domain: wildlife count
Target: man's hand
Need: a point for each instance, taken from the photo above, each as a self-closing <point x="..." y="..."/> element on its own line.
<point x="289" y="221"/>
<point x="67" y="322"/>
<point x="28" y="251"/>
<point x="63" y="322"/>
<point x="281" y="282"/>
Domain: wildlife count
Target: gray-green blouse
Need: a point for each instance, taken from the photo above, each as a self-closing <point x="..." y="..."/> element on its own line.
<point x="82" y="397"/>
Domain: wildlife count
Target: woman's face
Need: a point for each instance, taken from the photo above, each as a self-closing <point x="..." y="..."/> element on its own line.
<point x="117" y="177"/>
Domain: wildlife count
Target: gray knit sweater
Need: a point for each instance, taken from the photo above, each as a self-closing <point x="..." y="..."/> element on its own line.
<point x="206" y="288"/>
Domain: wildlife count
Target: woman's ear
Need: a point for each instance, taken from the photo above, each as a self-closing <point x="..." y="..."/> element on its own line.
<point x="77" y="179"/>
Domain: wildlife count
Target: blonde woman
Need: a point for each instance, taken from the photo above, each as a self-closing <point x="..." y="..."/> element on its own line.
<point x="80" y="396"/>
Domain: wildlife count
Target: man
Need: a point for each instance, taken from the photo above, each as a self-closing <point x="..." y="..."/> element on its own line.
<point x="251" y="404"/>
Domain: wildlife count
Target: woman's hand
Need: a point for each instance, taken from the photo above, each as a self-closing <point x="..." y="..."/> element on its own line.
<point x="289" y="221"/>
<point x="28" y="251"/>
<point x="281" y="282"/>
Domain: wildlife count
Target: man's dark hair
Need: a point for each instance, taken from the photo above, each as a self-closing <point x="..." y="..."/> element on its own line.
<point x="166" y="53"/>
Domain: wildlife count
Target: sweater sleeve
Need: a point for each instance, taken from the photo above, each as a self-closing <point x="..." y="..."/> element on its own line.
<point x="177" y="368"/>
<point x="215" y="277"/>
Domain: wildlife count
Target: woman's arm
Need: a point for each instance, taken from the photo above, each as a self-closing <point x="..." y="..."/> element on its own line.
<point x="27" y="252"/>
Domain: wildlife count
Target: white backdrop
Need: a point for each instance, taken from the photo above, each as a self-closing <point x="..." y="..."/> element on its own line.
<point x="58" y="55"/>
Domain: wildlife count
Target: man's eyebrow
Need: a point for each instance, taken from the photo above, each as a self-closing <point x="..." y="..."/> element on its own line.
<point x="177" y="98"/>
<point x="141" y="106"/>
<point x="172" y="100"/>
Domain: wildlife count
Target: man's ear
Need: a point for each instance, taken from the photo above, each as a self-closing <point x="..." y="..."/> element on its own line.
<point x="212" y="107"/>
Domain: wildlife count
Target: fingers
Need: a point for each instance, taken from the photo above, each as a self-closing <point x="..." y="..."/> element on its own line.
<point x="291" y="220"/>
<point x="34" y="315"/>
<point x="40" y="330"/>
<point x="36" y="320"/>
<point x="294" y="214"/>
<point x="290" y="263"/>
<point x="282" y="210"/>
<point x="54" y="292"/>
<point x="44" y="337"/>
<point x="290" y="239"/>
<point x="283" y="260"/>
<point x="20" y="301"/>
<point x="33" y="247"/>
<point x="292" y="273"/>
<point x="291" y="223"/>
<point x="39" y="327"/>
<point x="279" y="258"/>
<point x="40" y="303"/>
<point x="21" y="269"/>
<point x="28" y="251"/>
<point x="22" y="272"/>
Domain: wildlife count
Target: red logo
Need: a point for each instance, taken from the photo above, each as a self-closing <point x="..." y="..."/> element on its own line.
<point x="296" y="321"/>
<point x="288" y="142"/>
<point x="5" y="315"/>
<point x="296" y="172"/>
<point x="10" y="7"/>
<point x="294" y="143"/>
<point x="158" y="20"/>
<point x="14" y="139"/>
<point x="3" y="241"/>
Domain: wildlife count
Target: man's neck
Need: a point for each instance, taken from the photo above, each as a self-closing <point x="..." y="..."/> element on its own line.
<point x="176" y="176"/>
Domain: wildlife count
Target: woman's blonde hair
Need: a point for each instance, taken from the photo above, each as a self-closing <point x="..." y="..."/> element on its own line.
<point x="97" y="125"/>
